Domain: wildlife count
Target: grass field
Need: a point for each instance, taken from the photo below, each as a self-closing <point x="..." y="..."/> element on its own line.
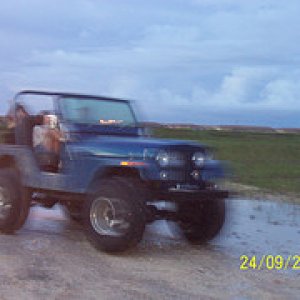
<point x="265" y="160"/>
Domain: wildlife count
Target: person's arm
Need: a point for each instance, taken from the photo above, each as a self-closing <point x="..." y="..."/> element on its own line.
<point x="55" y="133"/>
<point x="55" y="138"/>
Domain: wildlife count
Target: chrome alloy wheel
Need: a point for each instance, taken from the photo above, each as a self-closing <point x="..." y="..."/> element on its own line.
<point x="5" y="203"/>
<point x="108" y="216"/>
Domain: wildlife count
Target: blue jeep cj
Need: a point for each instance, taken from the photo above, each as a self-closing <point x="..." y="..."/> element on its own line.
<point x="108" y="173"/>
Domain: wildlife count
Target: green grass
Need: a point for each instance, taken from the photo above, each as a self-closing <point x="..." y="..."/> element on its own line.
<point x="265" y="160"/>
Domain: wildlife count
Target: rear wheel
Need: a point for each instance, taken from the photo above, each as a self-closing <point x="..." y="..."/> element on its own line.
<point x="14" y="203"/>
<point x="114" y="216"/>
<point x="202" y="221"/>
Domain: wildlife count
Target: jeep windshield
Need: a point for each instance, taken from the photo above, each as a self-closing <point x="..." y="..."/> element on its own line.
<point x="97" y="111"/>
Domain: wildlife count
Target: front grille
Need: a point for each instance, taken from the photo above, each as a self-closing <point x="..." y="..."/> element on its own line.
<point x="183" y="173"/>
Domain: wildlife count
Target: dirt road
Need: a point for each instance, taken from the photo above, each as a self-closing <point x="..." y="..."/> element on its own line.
<point x="50" y="259"/>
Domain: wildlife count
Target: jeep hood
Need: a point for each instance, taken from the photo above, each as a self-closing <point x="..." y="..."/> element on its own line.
<point x="113" y="146"/>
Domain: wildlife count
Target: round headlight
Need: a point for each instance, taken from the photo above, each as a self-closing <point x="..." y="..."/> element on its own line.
<point x="163" y="158"/>
<point x="198" y="159"/>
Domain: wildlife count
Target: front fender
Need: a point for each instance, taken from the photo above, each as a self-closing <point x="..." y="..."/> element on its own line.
<point x="94" y="170"/>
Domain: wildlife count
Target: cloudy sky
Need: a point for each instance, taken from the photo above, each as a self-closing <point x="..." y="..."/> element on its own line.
<point x="196" y="61"/>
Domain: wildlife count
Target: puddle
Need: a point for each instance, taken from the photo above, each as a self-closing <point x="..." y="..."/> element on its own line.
<point x="252" y="228"/>
<point x="49" y="221"/>
<point x="261" y="227"/>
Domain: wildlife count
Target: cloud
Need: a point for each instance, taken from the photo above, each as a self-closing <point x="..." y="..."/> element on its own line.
<point x="283" y="93"/>
<point x="192" y="57"/>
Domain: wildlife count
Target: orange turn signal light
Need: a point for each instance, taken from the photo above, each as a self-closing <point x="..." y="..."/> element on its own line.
<point x="132" y="163"/>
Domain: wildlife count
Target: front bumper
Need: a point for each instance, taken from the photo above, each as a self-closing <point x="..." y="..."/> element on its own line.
<point x="191" y="195"/>
<point x="211" y="171"/>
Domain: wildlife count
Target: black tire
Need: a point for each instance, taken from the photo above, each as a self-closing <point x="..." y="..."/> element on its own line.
<point x="25" y="208"/>
<point x="203" y="220"/>
<point x="114" y="216"/>
<point x="14" y="202"/>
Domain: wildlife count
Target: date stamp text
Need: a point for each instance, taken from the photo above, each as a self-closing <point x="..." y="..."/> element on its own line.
<point x="270" y="262"/>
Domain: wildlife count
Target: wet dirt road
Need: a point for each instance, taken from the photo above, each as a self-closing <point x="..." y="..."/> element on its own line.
<point x="50" y="259"/>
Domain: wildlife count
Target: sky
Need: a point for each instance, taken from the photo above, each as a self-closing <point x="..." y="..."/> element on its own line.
<point x="216" y="62"/>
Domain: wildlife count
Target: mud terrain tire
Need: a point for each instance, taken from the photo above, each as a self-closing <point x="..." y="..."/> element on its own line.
<point x="202" y="221"/>
<point x="114" y="216"/>
<point x="14" y="202"/>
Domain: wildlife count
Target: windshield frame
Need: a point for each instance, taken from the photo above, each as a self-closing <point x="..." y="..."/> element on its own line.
<point x="62" y="98"/>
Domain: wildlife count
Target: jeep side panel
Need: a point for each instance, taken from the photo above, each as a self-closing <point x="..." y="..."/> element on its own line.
<point x="30" y="174"/>
<point x="75" y="177"/>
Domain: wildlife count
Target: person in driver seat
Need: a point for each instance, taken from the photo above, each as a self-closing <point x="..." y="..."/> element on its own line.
<point x="24" y="124"/>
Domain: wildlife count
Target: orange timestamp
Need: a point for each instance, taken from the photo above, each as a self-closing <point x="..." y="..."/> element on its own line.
<point x="270" y="262"/>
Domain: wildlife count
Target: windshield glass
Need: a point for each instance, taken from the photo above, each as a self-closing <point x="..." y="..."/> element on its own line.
<point x="97" y="111"/>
